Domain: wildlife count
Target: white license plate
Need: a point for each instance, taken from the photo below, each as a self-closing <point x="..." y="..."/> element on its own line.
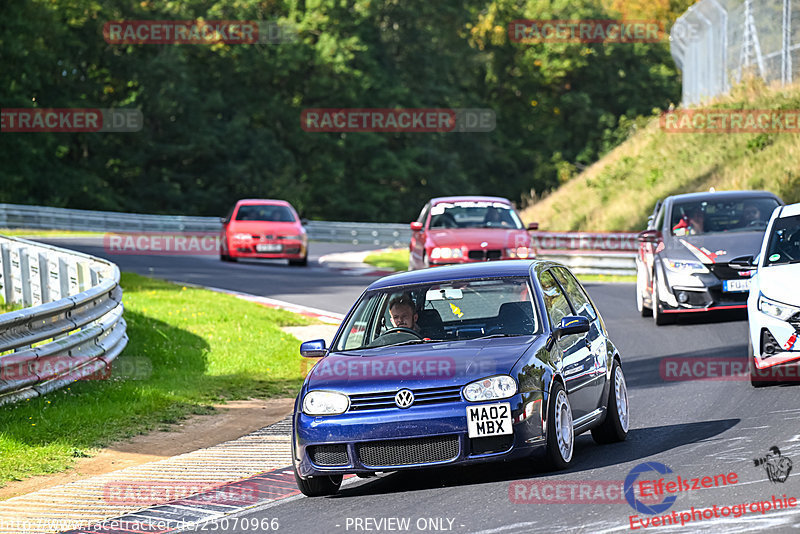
<point x="732" y="286"/>
<point x="489" y="420"/>
<point x="269" y="248"/>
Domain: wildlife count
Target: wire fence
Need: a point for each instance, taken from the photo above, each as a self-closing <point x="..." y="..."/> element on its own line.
<point x="717" y="43"/>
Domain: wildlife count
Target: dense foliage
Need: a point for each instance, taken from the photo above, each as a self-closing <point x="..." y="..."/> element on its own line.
<point x="222" y="122"/>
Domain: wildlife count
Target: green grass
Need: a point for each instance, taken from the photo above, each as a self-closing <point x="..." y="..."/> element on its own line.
<point x="620" y="191"/>
<point x="31" y="232"/>
<point x="203" y="347"/>
<point x="396" y="259"/>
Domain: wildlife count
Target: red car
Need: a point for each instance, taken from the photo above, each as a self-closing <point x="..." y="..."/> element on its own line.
<point x="468" y="229"/>
<point x="264" y="228"/>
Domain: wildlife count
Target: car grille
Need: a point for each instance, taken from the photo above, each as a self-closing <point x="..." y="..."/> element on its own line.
<point x="491" y="444"/>
<point x="408" y="451"/>
<point x="482" y="254"/>
<point x="725" y="272"/>
<point x="794" y="320"/>
<point x="380" y="401"/>
<point x="328" y="454"/>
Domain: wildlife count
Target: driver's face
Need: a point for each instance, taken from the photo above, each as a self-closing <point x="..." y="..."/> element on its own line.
<point x="403" y="316"/>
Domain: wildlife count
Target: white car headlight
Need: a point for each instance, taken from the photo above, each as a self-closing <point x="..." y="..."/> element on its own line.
<point x="494" y="387"/>
<point x="445" y="253"/>
<point x="242" y="236"/>
<point x="520" y="252"/>
<point x="776" y="309"/>
<point x="325" y="403"/>
<point x="685" y="266"/>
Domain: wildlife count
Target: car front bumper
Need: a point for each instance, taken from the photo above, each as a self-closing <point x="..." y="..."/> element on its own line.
<point x="422" y="436"/>
<point x="289" y="250"/>
<point x="782" y="337"/>
<point x="686" y="293"/>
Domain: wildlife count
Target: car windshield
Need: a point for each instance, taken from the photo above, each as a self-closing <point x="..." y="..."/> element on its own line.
<point x="784" y="242"/>
<point x="474" y="215"/>
<point x="452" y="311"/>
<point x="711" y="216"/>
<point x="264" y="212"/>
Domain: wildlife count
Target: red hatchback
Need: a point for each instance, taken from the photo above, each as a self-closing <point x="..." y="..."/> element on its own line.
<point x="264" y="228"/>
<point x="468" y="229"/>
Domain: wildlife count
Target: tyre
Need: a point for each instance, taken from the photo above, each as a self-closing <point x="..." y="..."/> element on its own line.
<point x="659" y="317"/>
<point x="615" y="426"/>
<point x="318" y="486"/>
<point x="560" y="435"/>
<point x="225" y="257"/>
<point x="755" y="378"/>
<point x="299" y="263"/>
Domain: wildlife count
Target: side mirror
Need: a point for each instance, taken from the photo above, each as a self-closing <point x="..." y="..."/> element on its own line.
<point x="223" y="220"/>
<point x="304" y="221"/>
<point x="416" y="226"/>
<point x="533" y="226"/>
<point x="650" y="236"/>
<point x="313" y="349"/>
<point x="743" y="263"/>
<point x="571" y="324"/>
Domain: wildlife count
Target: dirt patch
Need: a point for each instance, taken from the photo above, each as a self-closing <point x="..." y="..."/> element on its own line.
<point x="231" y="421"/>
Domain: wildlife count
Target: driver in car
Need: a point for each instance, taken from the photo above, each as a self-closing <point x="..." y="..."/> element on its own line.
<point x="403" y="312"/>
<point x="751" y="216"/>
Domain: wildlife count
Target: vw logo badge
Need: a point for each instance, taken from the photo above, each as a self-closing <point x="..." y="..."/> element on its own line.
<point x="404" y="398"/>
<point x="484" y="244"/>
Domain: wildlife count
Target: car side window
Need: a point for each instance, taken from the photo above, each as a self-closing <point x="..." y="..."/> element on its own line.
<point x="556" y="303"/>
<point x="575" y="293"/>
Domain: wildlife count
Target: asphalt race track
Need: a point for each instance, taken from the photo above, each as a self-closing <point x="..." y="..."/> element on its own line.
<point x="696" y="428"/>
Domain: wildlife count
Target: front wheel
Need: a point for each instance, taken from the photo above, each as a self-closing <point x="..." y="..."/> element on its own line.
<point x="643" y="310"/>
<point x="560" y="435"/>
<point x="615" y="426"/>
<point x="302" y="262"/>
<point x="318" y="486"/>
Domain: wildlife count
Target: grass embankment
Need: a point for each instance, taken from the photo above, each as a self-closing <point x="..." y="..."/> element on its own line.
<point x="397" y="259"/>
<point x="190" y="348"/>
<point x="27" y="232"/>
<point x="620" y="191"/>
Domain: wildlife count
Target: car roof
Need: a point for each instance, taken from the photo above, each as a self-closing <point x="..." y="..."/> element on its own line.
<point x="722" y="195"/>
<point x="448" y="273"/>
<point x="790" y="210"/>
<point x="271" y="201"/>
<point x="470" y="199"/>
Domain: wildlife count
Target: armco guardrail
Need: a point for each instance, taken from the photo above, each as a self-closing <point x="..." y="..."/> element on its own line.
<point x="590" y="253"/>
<point x="71" y="325"/>
<point x="21" y="216"/>
<point x="587" y="253"/>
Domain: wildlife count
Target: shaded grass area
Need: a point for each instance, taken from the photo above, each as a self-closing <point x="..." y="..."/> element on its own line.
<point x="396" y="259"/>
<point x="35" y="232"/>
<point x="620" y="191"/>
<point x="188" y="349"/>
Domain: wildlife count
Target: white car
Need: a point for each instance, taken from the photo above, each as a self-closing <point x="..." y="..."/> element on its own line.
<point x="774" y="303"/>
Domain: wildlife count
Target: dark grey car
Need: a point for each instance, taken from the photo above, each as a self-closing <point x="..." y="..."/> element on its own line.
<point x="682" y="263"/>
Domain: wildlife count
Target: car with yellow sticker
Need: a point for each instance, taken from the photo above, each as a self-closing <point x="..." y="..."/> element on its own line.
<point x="459" y="365"/>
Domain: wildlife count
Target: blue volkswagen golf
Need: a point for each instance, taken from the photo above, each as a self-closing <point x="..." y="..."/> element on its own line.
<point x="458" y="365"/>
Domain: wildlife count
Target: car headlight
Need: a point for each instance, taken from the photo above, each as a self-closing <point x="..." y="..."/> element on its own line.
<point x="325" y="403"/>
<point x="776" y="309"/>
<point x="519" y="252"/>
<point x="242" y="237"/>
<point x="293" y="237"/>
<point x="494" y="387"/>
<point x="446" y="253"/>
<point x="685" y="266"/>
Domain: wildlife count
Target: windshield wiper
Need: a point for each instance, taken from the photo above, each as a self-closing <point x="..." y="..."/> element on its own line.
<point x="415" y="342"/>
<point x="490" y="336"/>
